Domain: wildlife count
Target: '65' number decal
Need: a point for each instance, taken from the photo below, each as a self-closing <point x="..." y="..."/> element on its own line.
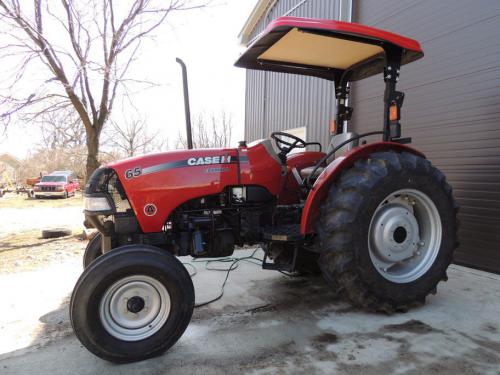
<point x="134" y="172"/>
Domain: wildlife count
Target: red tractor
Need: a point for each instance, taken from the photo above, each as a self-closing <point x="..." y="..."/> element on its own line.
<point x="378" y="218"/>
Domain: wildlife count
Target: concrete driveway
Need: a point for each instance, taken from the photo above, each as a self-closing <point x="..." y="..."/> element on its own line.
<point x="266" y="323"/>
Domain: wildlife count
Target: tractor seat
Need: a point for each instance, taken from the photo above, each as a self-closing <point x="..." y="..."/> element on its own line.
<point x="306" y="172"/>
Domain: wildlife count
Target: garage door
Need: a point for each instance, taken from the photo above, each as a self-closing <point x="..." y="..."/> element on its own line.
<point x="452" y="105"/>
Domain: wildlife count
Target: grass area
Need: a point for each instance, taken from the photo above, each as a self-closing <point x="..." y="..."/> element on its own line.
<point x="28" y="250"/>
<point x="13" y="200"/>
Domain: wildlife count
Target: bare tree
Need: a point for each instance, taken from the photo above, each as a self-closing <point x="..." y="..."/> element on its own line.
<point x="135" y="138"/>
<point x="62" y="130"/>
<point x="212" y="131"/>
<point x="86" y="47"/>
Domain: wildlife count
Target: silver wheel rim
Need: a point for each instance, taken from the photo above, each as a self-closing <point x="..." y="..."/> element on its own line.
<point x="404" y="236"/>
<point x="134" y="308"/>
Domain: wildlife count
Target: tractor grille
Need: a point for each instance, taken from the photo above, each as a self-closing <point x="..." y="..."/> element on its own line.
<point x="105" y="180"/>
<point x="117" y="194"/>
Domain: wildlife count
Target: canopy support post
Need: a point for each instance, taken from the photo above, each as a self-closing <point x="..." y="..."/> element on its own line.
<point x="393" y="99"/>
<point x="344" y="112"/>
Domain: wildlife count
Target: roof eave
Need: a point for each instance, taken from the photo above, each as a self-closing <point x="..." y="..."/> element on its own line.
<point x="258" y="11"/>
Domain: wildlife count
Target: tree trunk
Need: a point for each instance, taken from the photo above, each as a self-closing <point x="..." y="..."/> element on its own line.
<point x="92" y="153"/>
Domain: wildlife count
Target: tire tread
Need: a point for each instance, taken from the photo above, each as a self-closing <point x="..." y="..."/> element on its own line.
<point x="336" y="223"/>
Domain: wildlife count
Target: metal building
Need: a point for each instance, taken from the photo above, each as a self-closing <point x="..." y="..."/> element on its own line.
<point x="452" y="105"/>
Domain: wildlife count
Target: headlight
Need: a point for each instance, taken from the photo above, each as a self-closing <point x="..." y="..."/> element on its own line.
<point x="36" y="188"/>
<point x="59" y="188"/>
<point x="97" y="204"/>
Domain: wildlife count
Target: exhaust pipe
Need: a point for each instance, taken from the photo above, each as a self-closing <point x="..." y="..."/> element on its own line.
<point x="187" y="111"/>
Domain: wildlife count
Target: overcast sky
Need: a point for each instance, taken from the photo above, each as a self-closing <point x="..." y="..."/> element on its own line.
<point x="207" y="41"/>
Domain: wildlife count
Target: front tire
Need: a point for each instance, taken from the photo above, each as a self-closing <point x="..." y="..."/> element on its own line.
<point x="387" y="231"/>
<point x="132" y="303"/>
<point x="93" y="250"/>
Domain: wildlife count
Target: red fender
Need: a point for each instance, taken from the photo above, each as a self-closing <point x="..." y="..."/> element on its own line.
<point x="332" y="172"/>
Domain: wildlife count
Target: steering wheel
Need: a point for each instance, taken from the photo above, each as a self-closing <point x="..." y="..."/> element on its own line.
<point x="286" y="146"/>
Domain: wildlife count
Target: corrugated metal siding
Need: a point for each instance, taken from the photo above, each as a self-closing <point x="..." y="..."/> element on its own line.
<point x="452" y="105"/>
<point x="293" y="102"/>
<point x="254" y="104"/>
<point x="278" y="101"/>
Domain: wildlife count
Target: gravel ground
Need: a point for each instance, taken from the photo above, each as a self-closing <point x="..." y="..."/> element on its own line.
<point x="18" y="214"/>
<point x="35" y="273"/>
<point x="23" y="219"/>
<point x="36" y="277"/>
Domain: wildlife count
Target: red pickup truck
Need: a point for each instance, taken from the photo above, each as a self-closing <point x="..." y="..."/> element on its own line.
<point x="57" y="184"/>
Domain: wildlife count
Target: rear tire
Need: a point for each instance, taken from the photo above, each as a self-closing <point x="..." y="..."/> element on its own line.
<point x="356" y="253"/>
<point x="307" y="263"/>
<point x="132" y="303"/>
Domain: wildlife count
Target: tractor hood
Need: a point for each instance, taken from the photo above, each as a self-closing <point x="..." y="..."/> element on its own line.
<point x="156" y="184"/>
<point x="160" y="162"/>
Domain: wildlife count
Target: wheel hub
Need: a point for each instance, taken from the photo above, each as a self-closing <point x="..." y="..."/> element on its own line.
<point x="404" y="236"/>
<point x="400" y="234"/>
<point x="395" y="234"/>
<point x="134" y="308"/>
<point x="135" y="304"/>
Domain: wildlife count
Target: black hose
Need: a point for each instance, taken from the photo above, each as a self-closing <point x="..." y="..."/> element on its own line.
<point x="234" y="264"/>
<point x="307" y="181"/>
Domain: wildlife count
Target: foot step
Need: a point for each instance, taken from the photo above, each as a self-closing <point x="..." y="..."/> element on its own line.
<point x="283" y="233"/>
